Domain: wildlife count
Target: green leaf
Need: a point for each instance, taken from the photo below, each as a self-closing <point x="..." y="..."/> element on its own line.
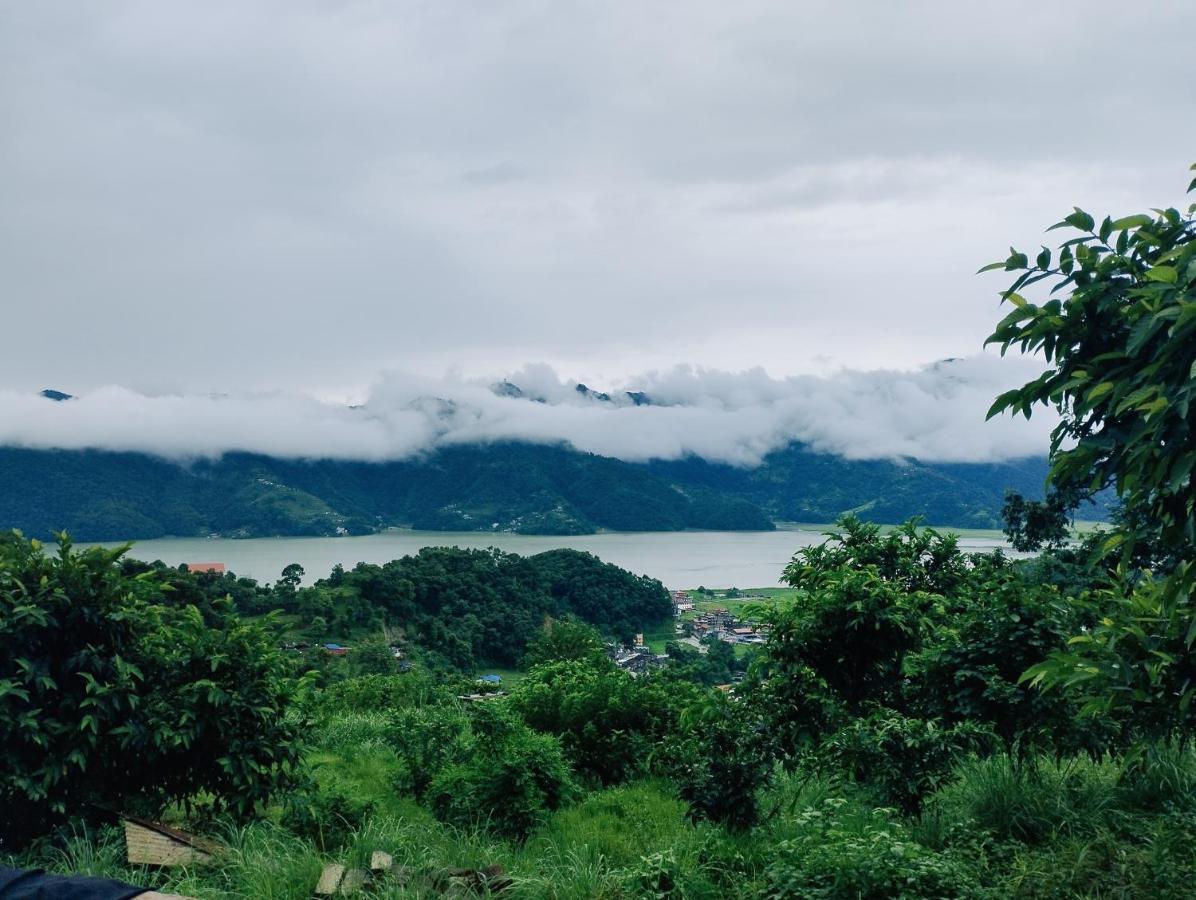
<point x="1144" y="329"/>
<point x="1131" y="222"/>
<point x="1135" y="398"/>
<point x="1165" y="274"/>
<point x="1080" y="219"/>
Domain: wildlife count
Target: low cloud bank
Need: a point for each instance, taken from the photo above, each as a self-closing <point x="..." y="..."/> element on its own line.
<point x="935" y="413"/>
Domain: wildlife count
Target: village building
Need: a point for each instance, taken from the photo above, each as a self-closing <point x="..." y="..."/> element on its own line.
<point x="714" y="622"/>
<point x="216" y="568"/>
<point x="635" y="660"/>
<point x="723" y="625"/>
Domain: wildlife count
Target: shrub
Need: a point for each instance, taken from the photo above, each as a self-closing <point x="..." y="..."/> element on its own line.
<point x="853" y="630"/>
<point x="903" y="758"/>
<point x="832" y="857"/>
<point x="970" y="668"/>
<point x="112" y="696"/>
<point x="608" y="721"/>
<point x="326" y="817"/>
<point x="427" y="740"/>
<point x="372" y="693"/>
<point x="509" y="784"/>
<point x="721" y="761"/>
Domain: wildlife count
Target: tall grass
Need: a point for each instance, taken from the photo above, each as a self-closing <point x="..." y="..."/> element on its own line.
<point x="1030" y="802"/>
<point x="1159" y="777"/>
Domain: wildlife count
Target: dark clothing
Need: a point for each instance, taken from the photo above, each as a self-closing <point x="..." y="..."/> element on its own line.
<point x="34" y="884"/>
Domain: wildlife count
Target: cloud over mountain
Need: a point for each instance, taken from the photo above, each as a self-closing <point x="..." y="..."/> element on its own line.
<point x="934" y="413"/>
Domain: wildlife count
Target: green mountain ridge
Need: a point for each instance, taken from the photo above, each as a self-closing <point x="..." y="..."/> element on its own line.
<point x="518" y="487"/>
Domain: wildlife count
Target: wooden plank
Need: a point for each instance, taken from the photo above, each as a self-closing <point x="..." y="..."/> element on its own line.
<point x="202" y="844"/>
<point x="330" y="879"/>
<point x="145" y="845"/>
<point x="380" y="860"/>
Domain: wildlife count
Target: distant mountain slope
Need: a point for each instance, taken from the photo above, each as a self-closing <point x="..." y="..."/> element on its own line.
<point x="528" y="488"/>
<point x="798" y="485"/>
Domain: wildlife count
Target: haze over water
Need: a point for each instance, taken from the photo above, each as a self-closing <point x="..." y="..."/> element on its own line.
<point x="715" y="559"/>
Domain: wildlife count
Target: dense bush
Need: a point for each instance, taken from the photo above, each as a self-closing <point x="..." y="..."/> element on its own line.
<point x="510" y="783"/>
<point x="871" y="859"/>
<point x="428" y="739"/>
<point x="111" y="698"/>
<point x="853" y="632"/>
<point x="721" y="762"/>
<point x="609" y="723"/>
<point x="903" y="759"/>
<point x="970" y="666"/>
<point x="900" y="653"/>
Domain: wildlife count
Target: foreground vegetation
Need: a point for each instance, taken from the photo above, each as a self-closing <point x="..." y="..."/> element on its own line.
<point x="881" y="745"/>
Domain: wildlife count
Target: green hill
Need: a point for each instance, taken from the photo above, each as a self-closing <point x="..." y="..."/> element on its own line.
<point x="524" y="488"/>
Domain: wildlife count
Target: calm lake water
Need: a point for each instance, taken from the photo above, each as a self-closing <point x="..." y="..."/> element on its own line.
<point x="715" y="559"/>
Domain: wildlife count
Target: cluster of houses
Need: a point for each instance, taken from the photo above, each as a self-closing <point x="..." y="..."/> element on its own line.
<point x="636" y="659"/>
<point x="726" y="626"/>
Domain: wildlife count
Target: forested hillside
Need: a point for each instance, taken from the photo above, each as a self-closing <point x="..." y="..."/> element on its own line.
<point x="464" y="608"/>
<point x="525" y="488"/>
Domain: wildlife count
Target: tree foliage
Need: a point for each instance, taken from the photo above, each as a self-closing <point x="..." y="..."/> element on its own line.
<point x="561" y="640"/>
<point x="609" y="722"/>
<point x="471" y="607"/>
<point x="1118" y="334"/>
<point x="1034" y="524"/>
<point x="511" y="781"/>
<point x="1120" y="345"/>
<point x="115" y="697"/>
<point x="900" y="653"/>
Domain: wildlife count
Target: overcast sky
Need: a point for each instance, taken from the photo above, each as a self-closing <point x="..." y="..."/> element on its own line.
<point x="299" y="196"/>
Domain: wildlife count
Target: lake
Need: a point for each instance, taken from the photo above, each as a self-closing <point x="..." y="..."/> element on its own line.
<point x="686" y="559"/>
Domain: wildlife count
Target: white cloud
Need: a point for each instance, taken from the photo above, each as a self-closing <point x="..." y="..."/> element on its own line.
<point x="932" y="413"/>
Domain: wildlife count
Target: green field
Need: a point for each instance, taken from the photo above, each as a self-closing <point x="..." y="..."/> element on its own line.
<point x="657" y="637"/>
<point x="740" y="603"/>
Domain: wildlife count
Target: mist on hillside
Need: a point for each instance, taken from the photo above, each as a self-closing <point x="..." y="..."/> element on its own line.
<point x="935" y="413"/>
